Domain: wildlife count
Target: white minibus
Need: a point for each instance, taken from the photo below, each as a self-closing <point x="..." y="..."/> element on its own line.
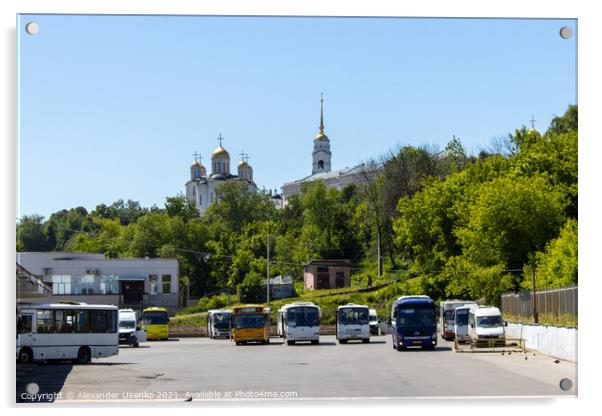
<point x="461" y="323"/>
<point x="66" y="331"/>
<point x="130" y="330"/>
<point x="299" y="321"/>
<point x="486" y="327"/>
<point x="352" y="323"/>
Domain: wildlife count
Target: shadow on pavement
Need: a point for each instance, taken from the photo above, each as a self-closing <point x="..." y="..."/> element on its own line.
<point x="41" y="383"/>
<point x="309" y="344"/>
<point x="419" y="349"/>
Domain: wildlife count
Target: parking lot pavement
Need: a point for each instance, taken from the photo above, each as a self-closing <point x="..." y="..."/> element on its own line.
<point x="208" y="369"/>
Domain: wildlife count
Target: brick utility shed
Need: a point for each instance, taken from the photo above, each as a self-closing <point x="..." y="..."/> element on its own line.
<point x="327" y="274"/>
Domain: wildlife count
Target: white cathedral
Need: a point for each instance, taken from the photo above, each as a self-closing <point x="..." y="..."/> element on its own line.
<point x="321" y="167"/>
<point x="200" y="189"/>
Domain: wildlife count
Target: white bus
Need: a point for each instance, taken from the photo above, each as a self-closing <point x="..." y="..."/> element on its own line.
<point x="299" y="321"/>
<point x="219" y="323"/>
<point x="66" y="331"/>
<point x="353" y="323"/>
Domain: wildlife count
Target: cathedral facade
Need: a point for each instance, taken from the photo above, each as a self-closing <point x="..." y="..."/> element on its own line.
<point x="321" y="167"/>
<point x="201" y="188"/>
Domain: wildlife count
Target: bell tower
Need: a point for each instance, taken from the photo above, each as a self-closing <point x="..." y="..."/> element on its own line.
<point x="321" y="154"/>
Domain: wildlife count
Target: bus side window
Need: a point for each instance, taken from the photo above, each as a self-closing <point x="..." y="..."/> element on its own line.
<point x="70" y="317"/>
<point x="82" y="324"/>
<point x="45" y="321"/>
<point x="99" y="322"/>
<point x="24" y="324"/>
<point x="112" y="321"/>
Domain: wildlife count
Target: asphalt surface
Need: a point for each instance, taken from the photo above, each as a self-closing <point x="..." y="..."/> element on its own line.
<point x="206" y="369"/>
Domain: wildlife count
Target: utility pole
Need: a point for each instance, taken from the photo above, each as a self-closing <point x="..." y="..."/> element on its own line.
<point x="535" y="314"/>
<point x="268" y="273"/>
<point x="378" y="252"/>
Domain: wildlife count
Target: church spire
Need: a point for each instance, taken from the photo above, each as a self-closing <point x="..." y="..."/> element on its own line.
<point x="321" y="136"/>
<point x="321" y="114"/>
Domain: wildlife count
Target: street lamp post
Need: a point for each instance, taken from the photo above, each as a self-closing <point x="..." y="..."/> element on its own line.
<point x="268" y="273"/>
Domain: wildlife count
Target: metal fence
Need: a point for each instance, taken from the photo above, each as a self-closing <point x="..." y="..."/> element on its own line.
<point x="555" y="302"/>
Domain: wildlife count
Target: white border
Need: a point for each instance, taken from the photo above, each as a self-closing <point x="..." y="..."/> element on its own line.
<point x="589" y="90"/>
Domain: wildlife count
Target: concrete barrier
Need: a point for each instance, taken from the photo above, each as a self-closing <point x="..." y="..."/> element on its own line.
<point x="558" y="342"/>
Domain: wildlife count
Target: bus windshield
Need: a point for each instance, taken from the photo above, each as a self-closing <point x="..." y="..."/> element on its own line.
<point x="156" y="318"/>
<point x="489" y="321"/>
<point x="461" y="317"/>
<point x="302" y="316"/>
<point x="353" y="316"/>
<point x="221" y="320"/>
<point x="249" y="320"/>
<point x="415" y="317"/>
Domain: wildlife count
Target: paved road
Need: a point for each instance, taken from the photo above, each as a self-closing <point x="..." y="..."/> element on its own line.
<point x="208" y="369"/>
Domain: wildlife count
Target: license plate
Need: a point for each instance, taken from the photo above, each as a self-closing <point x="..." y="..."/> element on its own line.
<point x="416" y="342"/>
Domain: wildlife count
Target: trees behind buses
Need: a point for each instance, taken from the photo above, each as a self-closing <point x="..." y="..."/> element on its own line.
<point x="68" y="331"/>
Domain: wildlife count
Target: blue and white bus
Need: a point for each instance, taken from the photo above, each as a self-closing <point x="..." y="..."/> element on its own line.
<point x="414" y="322"/>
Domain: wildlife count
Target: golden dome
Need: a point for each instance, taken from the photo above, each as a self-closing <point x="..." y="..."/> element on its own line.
<point x="243" y="164"/>
<point x="220" y="152"/>
<point x="197" y="164"/>
<point x="321" y="137"/>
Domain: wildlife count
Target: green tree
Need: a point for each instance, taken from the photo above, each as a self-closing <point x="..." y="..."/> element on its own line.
<point x="31" y="234"/>
<point x="511" y="217"/>
<point x="557" y="265"/>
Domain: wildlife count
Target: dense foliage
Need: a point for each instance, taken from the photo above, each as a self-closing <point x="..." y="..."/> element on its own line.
<point x="450" y="224"/>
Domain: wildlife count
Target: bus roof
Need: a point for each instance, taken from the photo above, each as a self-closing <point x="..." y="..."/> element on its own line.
<point x="413" y="300"/>
<point x="68" y="306"/>
<point x="452" y="304"/>
<point x="155" y="309"/>
<point x="249" y="309"/>
<point x="484" y="310"/>
<point x="212" y="311"/>
<point x="352" y="305"/>
<point x="298" y="304"/>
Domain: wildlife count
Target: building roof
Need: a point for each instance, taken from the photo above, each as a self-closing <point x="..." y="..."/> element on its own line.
<point x="338" y="173"/>
<point x="333" y="262"/>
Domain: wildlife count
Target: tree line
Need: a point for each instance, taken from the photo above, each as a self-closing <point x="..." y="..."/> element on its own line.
<point x="457" y="225"/>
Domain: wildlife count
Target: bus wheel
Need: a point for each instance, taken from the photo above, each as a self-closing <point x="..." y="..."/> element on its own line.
<point x="401" y="347"/>
<point x="25" y="356"/>
<point x="366" y="340"/>
<point x="84" y="356"/>
<point x="136" y="344"/>
<point x="290" y="342"/>
<point x="342" y="341"/>
<point x="315" y="342"/>
<point x="267" y="341"/>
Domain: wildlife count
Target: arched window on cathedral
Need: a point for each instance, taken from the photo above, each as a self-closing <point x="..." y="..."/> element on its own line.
<point x="200" y="199"/>
<point x="320" y="164"/>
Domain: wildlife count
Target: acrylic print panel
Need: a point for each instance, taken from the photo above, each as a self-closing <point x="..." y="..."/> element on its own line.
<point x="179" y="166"/>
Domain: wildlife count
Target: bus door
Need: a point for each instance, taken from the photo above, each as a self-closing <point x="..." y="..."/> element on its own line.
<point x="24" y="329"/>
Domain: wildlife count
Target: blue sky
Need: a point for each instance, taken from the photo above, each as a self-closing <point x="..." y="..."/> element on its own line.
<point x="114" y="106"/>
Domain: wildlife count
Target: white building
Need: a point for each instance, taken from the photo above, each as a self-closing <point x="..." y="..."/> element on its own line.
<point x="201" y="187"/>
<point x="93" y="278"/>
<point x="321" y="167"/>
